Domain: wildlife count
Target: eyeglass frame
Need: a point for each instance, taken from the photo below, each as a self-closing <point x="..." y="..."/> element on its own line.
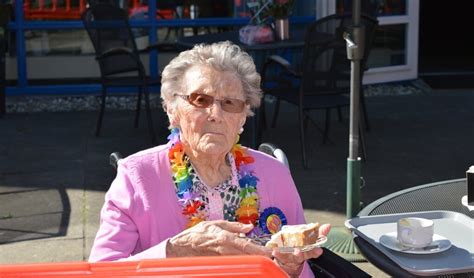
<point x="214" y="100"/>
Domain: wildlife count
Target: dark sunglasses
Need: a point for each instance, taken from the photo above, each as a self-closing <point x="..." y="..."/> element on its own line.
<point x="231" y="105"/>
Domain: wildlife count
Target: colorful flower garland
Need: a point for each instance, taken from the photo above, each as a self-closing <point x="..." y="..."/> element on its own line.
<point x="193" y="207"/>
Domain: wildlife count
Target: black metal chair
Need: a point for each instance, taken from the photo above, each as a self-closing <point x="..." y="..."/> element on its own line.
<point x="118" y="57"/>
<point x="322" y="79"/>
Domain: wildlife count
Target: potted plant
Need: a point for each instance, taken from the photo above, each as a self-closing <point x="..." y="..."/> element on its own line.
<point x="280" y="10"/>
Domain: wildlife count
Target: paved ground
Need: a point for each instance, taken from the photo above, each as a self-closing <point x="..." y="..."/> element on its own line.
<point x="54" y="172"/>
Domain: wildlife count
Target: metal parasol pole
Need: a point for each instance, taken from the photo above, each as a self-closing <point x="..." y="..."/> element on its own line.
<point x="340" y="240"/>
<point x="355" y="51"/>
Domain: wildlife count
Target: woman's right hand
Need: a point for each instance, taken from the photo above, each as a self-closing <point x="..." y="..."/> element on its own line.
<point x="210" y="238"/>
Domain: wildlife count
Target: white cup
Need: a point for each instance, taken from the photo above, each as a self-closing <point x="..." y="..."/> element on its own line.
<point x="415" y="232"/>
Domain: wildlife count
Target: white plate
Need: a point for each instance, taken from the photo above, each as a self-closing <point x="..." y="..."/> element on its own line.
<point x="321" y="240"/>
<point x="439" y="244"/>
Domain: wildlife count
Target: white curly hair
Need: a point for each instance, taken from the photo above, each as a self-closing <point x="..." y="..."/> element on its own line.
<point x="221" y="56"/>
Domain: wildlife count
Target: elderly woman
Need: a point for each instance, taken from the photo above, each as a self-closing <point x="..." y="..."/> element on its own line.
<point x="198" y="194"/>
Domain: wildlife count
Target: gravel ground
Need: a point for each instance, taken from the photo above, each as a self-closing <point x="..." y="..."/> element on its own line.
<point x="31" y="104"/>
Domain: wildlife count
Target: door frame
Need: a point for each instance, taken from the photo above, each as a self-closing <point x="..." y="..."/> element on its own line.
<point x="408" y="71"/>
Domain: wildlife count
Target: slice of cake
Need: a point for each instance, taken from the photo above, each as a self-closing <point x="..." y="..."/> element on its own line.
<point x="295" y="236"/>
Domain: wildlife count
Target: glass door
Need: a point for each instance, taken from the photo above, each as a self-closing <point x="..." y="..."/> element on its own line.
<point x="394" y="53"/>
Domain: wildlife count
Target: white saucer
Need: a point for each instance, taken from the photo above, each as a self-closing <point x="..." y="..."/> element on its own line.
<point x="439" y="244"/>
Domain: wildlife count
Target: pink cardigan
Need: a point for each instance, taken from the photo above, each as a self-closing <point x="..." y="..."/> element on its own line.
<point x="141" y="211"/>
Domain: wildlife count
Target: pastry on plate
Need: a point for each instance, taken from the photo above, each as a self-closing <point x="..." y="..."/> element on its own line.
<point x="295" y="236"/>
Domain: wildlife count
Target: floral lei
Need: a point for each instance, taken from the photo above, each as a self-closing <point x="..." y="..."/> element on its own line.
<point x="193" y="208"/>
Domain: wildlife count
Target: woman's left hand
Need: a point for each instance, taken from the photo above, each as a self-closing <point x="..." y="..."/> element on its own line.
<point x="292" y="263"/>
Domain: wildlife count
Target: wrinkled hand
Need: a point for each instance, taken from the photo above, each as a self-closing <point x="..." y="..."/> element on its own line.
<point x="210" y="238"/>
<point x="292" y="263"/>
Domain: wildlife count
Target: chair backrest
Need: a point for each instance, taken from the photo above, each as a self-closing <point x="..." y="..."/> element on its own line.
<point x="114" y="158"/>
<point x="108" y="28"/>
<point x="169" y="4"/>
<point x="274" y="151"/>
<point x="324" y="67"/>
<point x="117" y="3"/>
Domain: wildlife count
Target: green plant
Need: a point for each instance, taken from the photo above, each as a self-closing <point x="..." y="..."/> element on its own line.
<point x="263" y="11"/>
<point x="279" y="9"/>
